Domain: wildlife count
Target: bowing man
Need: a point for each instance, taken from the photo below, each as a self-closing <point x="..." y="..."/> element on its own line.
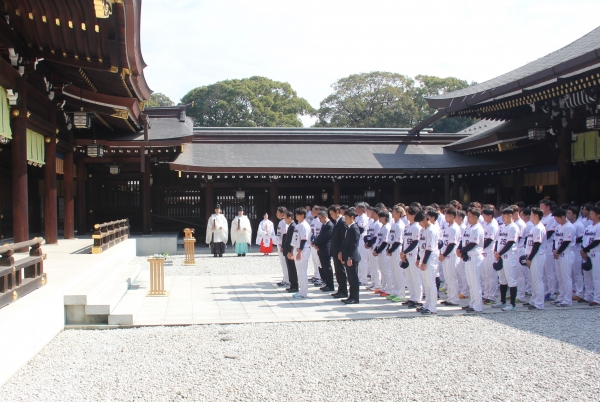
<point x="351" y="255"/>
<point x="339" y="231"/>
<point x="241" y="233"/>
<point x="216" y="232"/>
<point x="264" y="235"/>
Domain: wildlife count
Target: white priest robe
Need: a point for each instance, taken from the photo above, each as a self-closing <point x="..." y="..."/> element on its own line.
<point x="241" y="231"/>
<point x="265" y="232"/>
<point x="216" y="229"/>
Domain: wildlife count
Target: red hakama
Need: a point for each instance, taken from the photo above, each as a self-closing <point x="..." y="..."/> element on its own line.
<point x="266" y="250"/>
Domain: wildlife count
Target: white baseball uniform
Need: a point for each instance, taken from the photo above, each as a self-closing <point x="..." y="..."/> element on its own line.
<point x="413" y="275"/>
<point x="451" y="235"/>
<point x="383" y="260"/>
<point x="282" y="228"/>
<point x="398" y="275"/>
<point x="536" y="270"/>
<point x="489" y="274"/>
<point x="315" y="229"/>
<point x="429" y="244"/>
<point x="301" y="233"/>
<point x="508" y="274"/>
<point x="564" y="263"/>
<point x="550" y="281"/>
<point x="474" y="264"/>
<point x="362" y="221"/>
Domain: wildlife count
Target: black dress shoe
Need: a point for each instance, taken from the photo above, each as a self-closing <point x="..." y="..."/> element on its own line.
<point x="339" y="295"/>
<point x="292" y="290"/>
<point x="327" y="289"/>
<point x="350" y="301"/>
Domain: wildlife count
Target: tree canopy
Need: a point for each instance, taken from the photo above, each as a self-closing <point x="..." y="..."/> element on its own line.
<point x="384" y="99"/>
<point x="248" y="102"/>
<point x="159" y="99"/>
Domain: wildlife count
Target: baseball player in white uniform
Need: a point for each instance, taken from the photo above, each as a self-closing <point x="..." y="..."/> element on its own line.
<point x="315" y="229"/>
<point x="564" y="239"/>
<point x="448" y="257"/>
<point x="489" y="274"/>
<point x="301" y="243"/>
<point x="362" y="221"/>
<point x="521" y="281"/>
<point x="508" y="237"/>
<point x="550" y="281"/>
<point x="409" y="259"/>
<point x="577" y="273"/>
<point x="472" y="253"/>
<point x="536" y="260"/>
<point x="429" y="252"/>
<point x="396" y="239"/>
<point x="461" y="219"/>
<point x="522" y="291"/>
<point x="379" y="252"/>
<point x="282" y="228"/>
<point x="370" y="244"/>
<point x="591" y="251"/>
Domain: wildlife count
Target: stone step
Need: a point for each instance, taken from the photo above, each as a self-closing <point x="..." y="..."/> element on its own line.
<point x="128" y="308"/>
<point x="119" y="256"/>
<point x="105" y="301"/>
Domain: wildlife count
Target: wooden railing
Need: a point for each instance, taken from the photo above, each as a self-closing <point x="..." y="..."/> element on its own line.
<point x="23" y="276"/>
<point x="108" y="234"/>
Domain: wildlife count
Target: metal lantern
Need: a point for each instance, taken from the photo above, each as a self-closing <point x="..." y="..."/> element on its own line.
<point x="95" y="151"/>
<point x="82" y="120"/>
<point x="115" y="169"/>
<point x="539" y="188"/>
<point x="370" y="193"/>
<point x="536" y="133"/>
<point x="592" y="122"/>
<point x="240" y="195"/>
<point x="324" y="196"/>
<point x="4" y="140"/>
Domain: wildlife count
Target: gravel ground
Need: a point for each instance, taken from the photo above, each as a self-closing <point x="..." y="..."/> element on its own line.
<point x="229" y="264"/>
<point x="552" y="355"/>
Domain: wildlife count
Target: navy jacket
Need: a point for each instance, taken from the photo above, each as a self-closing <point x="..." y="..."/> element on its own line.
<point x="287" y="247"/>
<point x="339" y="232"/>
<point x="350" y="245"/>
<point x="323" y="240"/>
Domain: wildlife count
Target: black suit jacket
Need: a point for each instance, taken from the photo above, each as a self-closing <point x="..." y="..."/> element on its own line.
<point x="287" y="247"/>
<point x="350" y="245"/>
<point x="323" y="240"/>
<point x="337" y="238"/>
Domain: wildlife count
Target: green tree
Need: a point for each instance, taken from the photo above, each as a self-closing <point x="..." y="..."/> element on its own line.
<point x="384" y="99"/>
<point x="159" y="99"/>
<point x="248" y="102"/>
<point x="375" y="99"/>
<point x="429" y="85"/>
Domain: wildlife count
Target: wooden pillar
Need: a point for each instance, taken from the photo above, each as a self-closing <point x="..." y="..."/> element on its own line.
<point x="455" y="190"/>
<point x="209" y="199"/>
<point x="50" y="201"/>
<point x="146" y="205"/>
<point x="397" y="194"/>
<point x="273" y="200"/>
<point x="337" y="193"/>
<point x="20" y="196"/>
<point x="81" y="204"/>
<point x="564" y="164"/>
<point x="446" y="188"/>
<point x="519" y="179"/>
<point x="69" y="221"/>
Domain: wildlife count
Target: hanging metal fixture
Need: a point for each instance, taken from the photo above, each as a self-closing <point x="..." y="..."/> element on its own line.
<point x="95" y="150"/>
<point x="593" y="122"/>
<point x="536" y="133"/>
<point x="240" y="194"/>
<point x="324" y="196"/>
<point x="115" y="169"/>
<point x="4" y="140"/>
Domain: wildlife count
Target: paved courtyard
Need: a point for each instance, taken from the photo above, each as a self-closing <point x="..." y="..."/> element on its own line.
<point x="242" y="290"/>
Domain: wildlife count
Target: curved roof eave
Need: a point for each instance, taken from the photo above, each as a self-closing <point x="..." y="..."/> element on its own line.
<point x="577" y="55"/>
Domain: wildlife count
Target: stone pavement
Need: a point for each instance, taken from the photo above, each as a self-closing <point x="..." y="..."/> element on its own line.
<point x="223" y="299"/>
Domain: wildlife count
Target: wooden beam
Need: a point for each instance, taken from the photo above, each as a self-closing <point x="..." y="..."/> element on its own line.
<point x="69" y="221"/>
<point x="9" y="77"/>
<point x="68" y="60"/>
<point x="81" y="195"/>
<point x="50" y="200"/>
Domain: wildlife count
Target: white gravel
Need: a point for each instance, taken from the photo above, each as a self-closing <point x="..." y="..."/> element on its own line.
<point x="551" y="355"/>
<point x="229" y="264"/>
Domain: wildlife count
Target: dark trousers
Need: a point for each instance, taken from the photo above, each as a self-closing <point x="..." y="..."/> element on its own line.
<point x="326" y="272"/>
<point x="353" y="280"/>
<point x="293" y="274"/>
<point x="340" y="276"/>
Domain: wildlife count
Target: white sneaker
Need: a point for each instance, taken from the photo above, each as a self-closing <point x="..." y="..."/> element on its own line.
<point x="509" y="307"/>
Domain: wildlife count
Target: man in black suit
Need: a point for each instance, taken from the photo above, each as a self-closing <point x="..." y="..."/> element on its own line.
<point x="288" y="251"/>
<point x="350" y="255"/>
<point x="323" y="246"/>
<point x="337" y="237"/>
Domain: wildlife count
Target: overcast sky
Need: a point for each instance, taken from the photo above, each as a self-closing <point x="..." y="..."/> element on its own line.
<point x="312" y="43"/>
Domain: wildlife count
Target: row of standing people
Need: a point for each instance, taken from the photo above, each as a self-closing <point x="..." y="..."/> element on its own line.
<point x="521" y="252"/>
